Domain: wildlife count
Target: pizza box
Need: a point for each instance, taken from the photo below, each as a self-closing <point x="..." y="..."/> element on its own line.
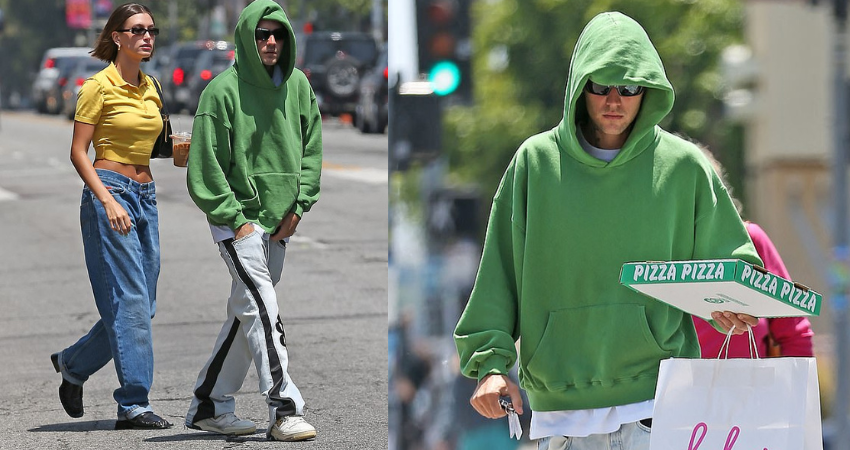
<point x="702" y="287"/>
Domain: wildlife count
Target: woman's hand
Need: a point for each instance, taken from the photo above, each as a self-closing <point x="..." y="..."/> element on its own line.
<point x="119" y="220"/>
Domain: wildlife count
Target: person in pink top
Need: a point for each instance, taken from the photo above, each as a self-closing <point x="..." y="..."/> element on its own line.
<point x="792" y="335"/>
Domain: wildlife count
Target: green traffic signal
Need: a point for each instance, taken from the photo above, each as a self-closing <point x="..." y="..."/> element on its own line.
<point x="444" y="77"/>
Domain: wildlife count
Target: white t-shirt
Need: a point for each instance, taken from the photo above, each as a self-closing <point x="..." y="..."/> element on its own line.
<point x="596" y="152"/>
<point x="584" y="422"/>
<point x="222" y="232"/>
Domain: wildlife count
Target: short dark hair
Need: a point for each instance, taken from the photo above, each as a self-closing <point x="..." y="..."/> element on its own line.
<point x="105" y="48"/>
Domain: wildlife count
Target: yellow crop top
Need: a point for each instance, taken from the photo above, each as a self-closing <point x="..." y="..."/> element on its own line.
<point x="126" y="118"/>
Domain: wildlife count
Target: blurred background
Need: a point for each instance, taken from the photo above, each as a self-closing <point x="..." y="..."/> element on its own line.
<point x="341" y="46"/>
<point x="761" y="83"/>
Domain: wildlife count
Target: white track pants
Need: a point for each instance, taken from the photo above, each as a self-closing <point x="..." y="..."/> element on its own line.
<point x="253" y="331"/>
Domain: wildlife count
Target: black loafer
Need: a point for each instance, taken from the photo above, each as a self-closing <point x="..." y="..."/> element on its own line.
<point x="143" y="420"/>
<point x="70" y="395"/>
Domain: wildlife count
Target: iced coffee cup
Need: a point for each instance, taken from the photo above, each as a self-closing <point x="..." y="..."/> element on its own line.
<point x="180" y="146"/>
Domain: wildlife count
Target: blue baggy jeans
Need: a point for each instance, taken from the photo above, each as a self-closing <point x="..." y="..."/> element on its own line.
<point x="123" y="272"/>
<point x="253" y="331"/>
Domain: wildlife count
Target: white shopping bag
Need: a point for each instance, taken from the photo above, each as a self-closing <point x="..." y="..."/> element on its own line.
<point x="737" y="404"/>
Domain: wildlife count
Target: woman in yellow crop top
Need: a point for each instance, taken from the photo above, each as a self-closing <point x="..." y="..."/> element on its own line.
<point x="118" y="113"/>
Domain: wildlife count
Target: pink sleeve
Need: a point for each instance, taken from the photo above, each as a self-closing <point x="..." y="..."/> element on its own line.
<point x="767" y="251"/>
<point x="793" y="334"/>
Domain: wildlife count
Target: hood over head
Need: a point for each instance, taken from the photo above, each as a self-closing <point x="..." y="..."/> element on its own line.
<point x="248" y="64"/>
<point x="614" y="49"/>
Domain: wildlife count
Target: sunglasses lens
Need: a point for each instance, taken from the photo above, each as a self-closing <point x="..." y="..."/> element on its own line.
<point x="139" y="31"/>
<point x="597" y="89"/>
<point x="262" y="34"/>
<point x="629" y="90"/>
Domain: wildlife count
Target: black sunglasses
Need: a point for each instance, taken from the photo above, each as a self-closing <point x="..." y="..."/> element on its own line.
<point x="262" y="34"/>
<point x="629" y="90"/>
<point x="140" y="31"/>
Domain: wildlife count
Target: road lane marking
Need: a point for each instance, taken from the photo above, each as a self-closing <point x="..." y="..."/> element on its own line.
<point x="308" y="241"/>
<point x="7" y="195"/>
<point x="354" y="173"/>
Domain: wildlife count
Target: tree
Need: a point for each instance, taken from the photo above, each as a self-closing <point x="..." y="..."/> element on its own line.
<point x="521" y="58"/>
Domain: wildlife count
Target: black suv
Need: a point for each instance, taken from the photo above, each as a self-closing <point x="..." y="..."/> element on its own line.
<point x="334" y="62"/>
<point x="179" y="72"/>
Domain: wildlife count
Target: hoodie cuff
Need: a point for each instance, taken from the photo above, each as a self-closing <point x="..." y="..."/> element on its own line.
<point x="494" y="365"/>
<point x="238" y="221"/>
<point x="298" y="210"/>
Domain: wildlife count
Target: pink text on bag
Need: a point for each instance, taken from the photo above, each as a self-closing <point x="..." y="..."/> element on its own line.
<point x="702" y="429"/>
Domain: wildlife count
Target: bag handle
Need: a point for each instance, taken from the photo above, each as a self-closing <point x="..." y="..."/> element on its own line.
<point x="164" y="110"/>
<point x="726" y="342"/>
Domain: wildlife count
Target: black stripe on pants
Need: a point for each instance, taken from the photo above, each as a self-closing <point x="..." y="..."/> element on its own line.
<point x="206" y="409"/>
<point x="285" y="405"/>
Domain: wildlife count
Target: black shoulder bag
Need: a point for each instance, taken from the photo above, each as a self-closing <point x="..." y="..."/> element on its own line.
<point x="162" y="147"/>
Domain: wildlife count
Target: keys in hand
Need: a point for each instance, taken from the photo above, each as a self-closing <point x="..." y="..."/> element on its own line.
<point x="513" y="418"/>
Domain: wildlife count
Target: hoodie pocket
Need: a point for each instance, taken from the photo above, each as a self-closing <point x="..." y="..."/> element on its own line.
<point x="276" y="193"/>
<point x="594" y="345"/>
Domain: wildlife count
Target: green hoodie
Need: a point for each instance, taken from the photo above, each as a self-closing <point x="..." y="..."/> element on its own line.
<point x="563" y="223"/>
<point x="256" y="149"/>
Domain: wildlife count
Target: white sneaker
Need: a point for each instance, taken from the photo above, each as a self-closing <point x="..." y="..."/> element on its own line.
<point x="226" y="423"/>
<point x="292" y="428"/>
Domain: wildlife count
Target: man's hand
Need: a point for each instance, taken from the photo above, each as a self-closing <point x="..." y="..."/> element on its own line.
<point x="485" y="399"/>
<point x="244" y="230"/>
<point x="287" y="226"/>
<point x="727" y="319"/>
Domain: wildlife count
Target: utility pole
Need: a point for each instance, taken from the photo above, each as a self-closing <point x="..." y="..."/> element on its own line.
<point x="841" y="255"/>
<point x="173" y="35"/>
<point x="377" y="18"/>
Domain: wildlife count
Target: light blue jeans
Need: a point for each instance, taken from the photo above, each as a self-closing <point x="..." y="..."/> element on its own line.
<point x="123" y="271"/>
<point x="253" y="331"/>
<point x="630" y="436"/>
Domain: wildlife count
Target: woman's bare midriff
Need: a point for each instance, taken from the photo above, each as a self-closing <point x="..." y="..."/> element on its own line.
<point x="136" y="172"/>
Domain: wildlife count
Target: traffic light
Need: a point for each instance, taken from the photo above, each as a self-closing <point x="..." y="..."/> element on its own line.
<point x="443" y="28"/>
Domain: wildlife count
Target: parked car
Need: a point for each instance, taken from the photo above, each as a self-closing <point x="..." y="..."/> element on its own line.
<point x="84" y="69"/>
<point x="156" y="64"/>
<point x="207" y="66"/>
<point x="52" y="76"/>
<point x="372" y="111"/>
<point x="177" y="69"/>
<point x="334" y="62"/>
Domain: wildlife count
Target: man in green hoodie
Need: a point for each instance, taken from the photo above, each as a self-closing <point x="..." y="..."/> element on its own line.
<point x="254" y="170"/>
<point x="605" y="187"/>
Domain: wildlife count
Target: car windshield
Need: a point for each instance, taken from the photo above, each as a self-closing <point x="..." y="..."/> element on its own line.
<point x="222" y="60"/>
<point x="187" y="55"/>
<point x="319" y="51"/>
<point x="66" y="63"/>
<point x="91" y="65"/>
